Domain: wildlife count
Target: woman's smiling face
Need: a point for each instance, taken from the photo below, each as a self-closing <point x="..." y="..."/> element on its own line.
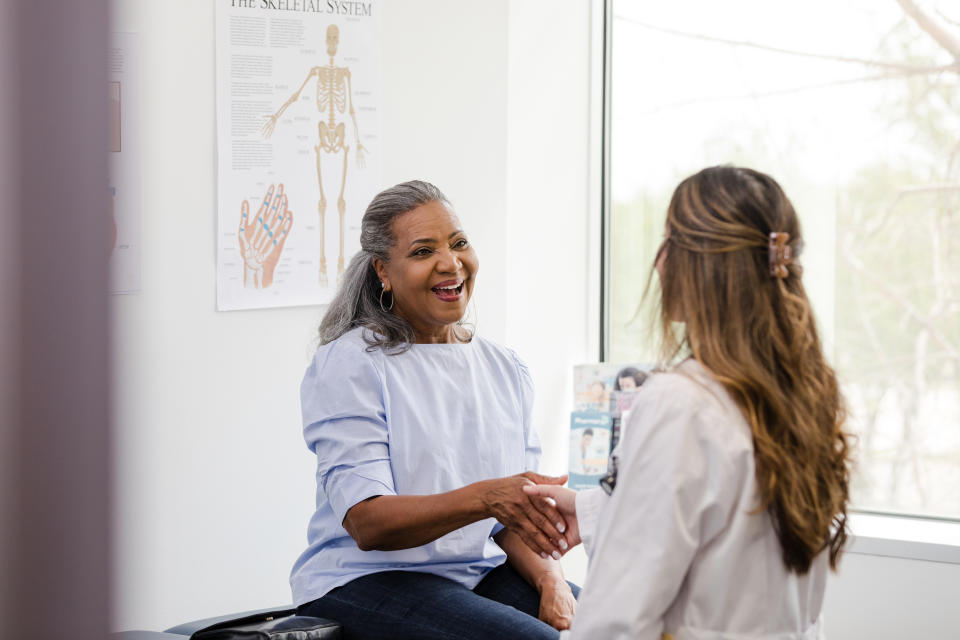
<point x="431" y="271"/>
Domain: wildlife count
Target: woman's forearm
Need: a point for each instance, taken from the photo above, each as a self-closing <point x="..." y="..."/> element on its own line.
<point x="539" y="572"/>
<point x="388" y="523"/>
<point x="557" y="604"/>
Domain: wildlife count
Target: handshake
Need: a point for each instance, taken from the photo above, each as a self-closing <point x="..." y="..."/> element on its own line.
<point x="538" y="509"/>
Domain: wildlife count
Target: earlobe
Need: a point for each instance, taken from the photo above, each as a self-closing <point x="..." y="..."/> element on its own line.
<point x="380" y="268"/>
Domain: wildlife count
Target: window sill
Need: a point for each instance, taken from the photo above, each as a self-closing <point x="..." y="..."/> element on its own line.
<point x="904" y="537"/>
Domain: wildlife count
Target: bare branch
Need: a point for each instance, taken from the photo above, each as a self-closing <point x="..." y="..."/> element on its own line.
<point x="891" y="66"/>
<point x="783" y="92"/>
<point x="927" y="188"/>
<point x="947" y="18"/>
<point x="935" y="30"/>
<point x="909" y="191"/>
<point x="903" y="303"/>
<point x="953" y="157"/>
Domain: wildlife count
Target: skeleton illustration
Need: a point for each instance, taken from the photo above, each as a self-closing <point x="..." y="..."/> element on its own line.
<point x="334" y="98"/>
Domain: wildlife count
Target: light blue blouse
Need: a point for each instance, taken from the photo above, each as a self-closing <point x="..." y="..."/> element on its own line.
<point x="432" y="419"/>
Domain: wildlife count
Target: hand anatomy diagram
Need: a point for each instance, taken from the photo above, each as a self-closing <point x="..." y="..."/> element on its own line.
<point x="334" y="99"/>
<point x="262" y="238"/>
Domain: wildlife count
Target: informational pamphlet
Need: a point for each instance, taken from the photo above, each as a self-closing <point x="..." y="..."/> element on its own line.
<point x="590" y="435"/>
<point x="603" y="396"/>
<point x="298" y="145"/>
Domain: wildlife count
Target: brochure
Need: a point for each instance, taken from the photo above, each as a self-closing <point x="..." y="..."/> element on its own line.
<point x="603" y="396"/>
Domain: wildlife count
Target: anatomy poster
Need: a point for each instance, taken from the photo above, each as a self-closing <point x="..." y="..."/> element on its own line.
<point x="123" y="213"/>
<point x="298" y="145"/>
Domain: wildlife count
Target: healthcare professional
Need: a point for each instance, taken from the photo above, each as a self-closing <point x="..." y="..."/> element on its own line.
<point x="728" y="504"/>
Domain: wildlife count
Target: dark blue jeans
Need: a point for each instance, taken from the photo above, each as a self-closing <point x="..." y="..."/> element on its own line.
<point x="404" y="604"/>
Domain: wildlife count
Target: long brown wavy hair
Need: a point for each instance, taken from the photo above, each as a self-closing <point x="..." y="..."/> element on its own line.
<point x="757" y="336"/>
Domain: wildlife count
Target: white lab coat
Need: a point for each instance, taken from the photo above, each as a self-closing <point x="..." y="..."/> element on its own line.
<point x="678" y="548"/>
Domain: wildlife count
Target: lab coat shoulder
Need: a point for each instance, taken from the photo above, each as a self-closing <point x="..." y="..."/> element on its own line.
<point x="683" y="424"/>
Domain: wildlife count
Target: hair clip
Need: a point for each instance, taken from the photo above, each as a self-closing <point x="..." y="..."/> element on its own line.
<point x="780" y="254"/>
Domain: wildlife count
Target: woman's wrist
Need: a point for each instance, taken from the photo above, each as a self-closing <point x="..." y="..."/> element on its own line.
<point x="477" y="499"/>
<point x="550" y="579"/>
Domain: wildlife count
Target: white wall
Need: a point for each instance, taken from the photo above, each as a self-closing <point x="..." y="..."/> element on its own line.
<point x="550" y="215"/>
<point x="884" y="598"/>
<point x="552" y="283"/>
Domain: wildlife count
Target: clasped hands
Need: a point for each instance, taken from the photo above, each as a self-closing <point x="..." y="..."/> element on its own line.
<point x="535" y="507"/>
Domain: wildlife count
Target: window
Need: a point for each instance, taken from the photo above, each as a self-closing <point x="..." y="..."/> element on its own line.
<point x="854" y="107"/>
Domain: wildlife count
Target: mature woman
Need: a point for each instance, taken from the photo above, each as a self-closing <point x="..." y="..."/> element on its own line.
<point x="422" y="435"/>
<point x="730" y="496"/>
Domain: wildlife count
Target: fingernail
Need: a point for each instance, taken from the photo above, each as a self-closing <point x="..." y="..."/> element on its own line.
<point x="563" y="544"/>
<point x="556" y="555"/>
<point x="543" y="555"/>
<point x="561" y="527"/>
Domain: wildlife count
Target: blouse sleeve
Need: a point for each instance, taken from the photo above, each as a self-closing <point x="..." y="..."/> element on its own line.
<point x="531" y="439"/>
<point x="344" y="424"/>
<point x="532" y="450"/>
<point x="676" y="489"/>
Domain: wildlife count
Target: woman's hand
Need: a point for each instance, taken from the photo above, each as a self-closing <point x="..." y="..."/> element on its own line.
<point x="535" y="520"/>
<point x="557" y="604"/>
<point x="262" y="238"/>
<point x="565" y="501"/>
